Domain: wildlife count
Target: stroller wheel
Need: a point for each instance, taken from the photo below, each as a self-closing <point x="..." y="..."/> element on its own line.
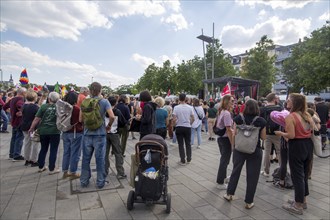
<point x="130" y="200"/>
<point x="168" y="203"/>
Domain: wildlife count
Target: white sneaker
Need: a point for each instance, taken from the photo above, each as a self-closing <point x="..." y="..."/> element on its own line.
<point x="227" y="179"/>
<point x="222" y="186"/>
<point x="199" y="147"/>
<point x="172" y="144"/>
<point x="54" y="171"/>
<point x="264" y="174"/>
<point x="42" y="169"/>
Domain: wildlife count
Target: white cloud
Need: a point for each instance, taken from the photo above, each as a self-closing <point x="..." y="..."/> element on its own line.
<point x="178" y="20"/>
<point x="116" y="9"/>
<point x="41" y="68"/>
<point x="325" y="16"/>
<point x="282" y="4"/>
<point x="262" y="14"/>
<point x="146" y="61"/>
<point x="52" y="19"/>
<point x="46" y="19"/>
<point x="237" y="39"/>
<point x="142" y="60"/>
<point x="3" y="27"/>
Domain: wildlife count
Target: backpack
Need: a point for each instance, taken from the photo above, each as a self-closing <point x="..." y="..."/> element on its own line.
<point x="63" y="115"/>
<point x="247" y="136"/>
<point x="122" y="122"/>
<point x="287" y="181"/>
<point x="90" y="109"/>
<point x="271" y="126"/>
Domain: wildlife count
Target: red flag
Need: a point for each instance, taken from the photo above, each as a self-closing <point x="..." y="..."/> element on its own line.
<point x="169" y="92"/>
<point x="226" y="90"/>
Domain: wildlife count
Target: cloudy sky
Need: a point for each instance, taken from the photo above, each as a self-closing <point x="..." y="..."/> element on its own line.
<point x="112" y="42"/>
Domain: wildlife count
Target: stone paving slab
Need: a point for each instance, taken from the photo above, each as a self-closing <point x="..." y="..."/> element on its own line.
<point x="27" y="194"/>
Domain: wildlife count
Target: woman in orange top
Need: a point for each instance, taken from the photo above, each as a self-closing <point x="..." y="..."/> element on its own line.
<point x="299" y="125"/>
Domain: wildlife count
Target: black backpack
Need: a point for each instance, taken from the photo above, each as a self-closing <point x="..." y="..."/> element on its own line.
<point x="271" y="126"/>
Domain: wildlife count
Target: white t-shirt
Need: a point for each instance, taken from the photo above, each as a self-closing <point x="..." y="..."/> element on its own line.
<point x="183" y="112"/>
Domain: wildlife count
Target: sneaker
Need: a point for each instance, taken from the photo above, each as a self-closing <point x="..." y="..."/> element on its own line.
<point x="227" y="179"/>
<point x="188" y="162"/>
<point x="19" y="158"/>
<point x="66" y="174"/>
<point x="34" y="164"/>
<point x="42" y="169"/>
<point x="291" y="208"/>
<point x="210" y="139"/>
<point x="121" y="176"/>
<point x="182" y="163"/>
<point x="27" y="162"/>
<point x="199" y="147"/>
<point x="264" y="174"/>
<point x="291" y="202"/>
<point x="54" y="171"/>
<point x="172" y="144"/>
<point x="222" y="186"/>
<point x="249" y="205"/>
<point x="74" y="176"/>
<point x="228" y="197"/>
<point x="4" y="131"/>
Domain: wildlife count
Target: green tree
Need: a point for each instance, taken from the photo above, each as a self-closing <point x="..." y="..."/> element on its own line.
<point x="222" y="64"/>
<point x="163" y="79"/>
<point x="124" y="89"/>
<point x="309" y="65"/>
<point x="146" y="82"/>
<point x="260" y="66"/>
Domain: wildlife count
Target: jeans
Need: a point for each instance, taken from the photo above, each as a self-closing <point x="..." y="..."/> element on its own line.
<point x="205" y="123"/>
<point x="253" y="166"/>
<point x="45" y="140"/>
<point x="31" y="148"/>
<point x="183" y="135"/>
<point x="71" y="151"/>
<point x="225" y="151"/>
<point x="90" y="144"/>
<point x="4" y="120"/>
<point x="161" y="132"/>
<point x="199" y="135"/>
<point x="114" y="141"/>
<point x="16" y="143"/>
<point x="300" y="155"/>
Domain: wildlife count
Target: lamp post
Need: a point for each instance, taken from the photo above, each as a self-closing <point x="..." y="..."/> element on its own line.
<point x="1" y="75"/>
<point x="209" y="40"/>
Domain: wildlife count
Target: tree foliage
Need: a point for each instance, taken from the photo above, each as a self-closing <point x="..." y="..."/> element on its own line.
<point x="309" y="65"/>
<point x="260" y="66"/>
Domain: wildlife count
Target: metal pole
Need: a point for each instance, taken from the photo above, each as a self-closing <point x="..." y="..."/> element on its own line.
<point x="1" y="75"/>
<point x="213" y="62"/>
<point x="205" y="70"/>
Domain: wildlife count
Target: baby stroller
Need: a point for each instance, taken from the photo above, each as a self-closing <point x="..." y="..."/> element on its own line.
<point x="152" y="173"/>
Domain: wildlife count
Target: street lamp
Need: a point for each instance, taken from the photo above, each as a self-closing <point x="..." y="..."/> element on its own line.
<point x="1" y="75"/>
<point x="209" y="40"/>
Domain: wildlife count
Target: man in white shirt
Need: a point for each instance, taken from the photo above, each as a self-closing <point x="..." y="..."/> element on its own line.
<point x="183" y="116"/>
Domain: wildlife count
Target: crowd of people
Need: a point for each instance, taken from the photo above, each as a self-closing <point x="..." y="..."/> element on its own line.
<point x="101" y="125"/>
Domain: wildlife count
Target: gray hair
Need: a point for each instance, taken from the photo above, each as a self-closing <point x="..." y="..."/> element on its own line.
<point x="84" y="89"/>
<point x="53" y="97"/>
<point x="21" y="90"/>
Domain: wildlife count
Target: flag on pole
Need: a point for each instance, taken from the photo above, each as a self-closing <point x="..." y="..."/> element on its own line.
<point x="169" y="92"/>
<point x="57" y="88"/>
<point x="24" y="78"/>
<point x="226" y="90"/>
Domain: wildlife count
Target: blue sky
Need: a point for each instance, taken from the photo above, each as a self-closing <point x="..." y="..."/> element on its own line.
<point x="112" y="42"/>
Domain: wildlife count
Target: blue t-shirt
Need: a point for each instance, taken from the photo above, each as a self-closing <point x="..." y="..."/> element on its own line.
<point x="161" y="116"/>
<point x="104" y="106"/>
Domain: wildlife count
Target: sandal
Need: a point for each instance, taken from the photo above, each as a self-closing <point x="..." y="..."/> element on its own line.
<point x="291" y="208"/>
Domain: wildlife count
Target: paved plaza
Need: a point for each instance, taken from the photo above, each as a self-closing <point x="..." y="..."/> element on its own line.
<point x="27" y="194"/>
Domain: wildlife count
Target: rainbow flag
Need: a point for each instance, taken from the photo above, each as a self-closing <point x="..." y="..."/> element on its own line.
<point x="24" y="78"/>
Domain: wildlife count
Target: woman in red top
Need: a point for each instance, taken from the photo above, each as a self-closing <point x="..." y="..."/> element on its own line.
<point x="299" y="125"/>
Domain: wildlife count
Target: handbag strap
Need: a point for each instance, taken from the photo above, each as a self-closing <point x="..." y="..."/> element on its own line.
<point x="254" y="119"/>
<point x="197" y="113"/>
